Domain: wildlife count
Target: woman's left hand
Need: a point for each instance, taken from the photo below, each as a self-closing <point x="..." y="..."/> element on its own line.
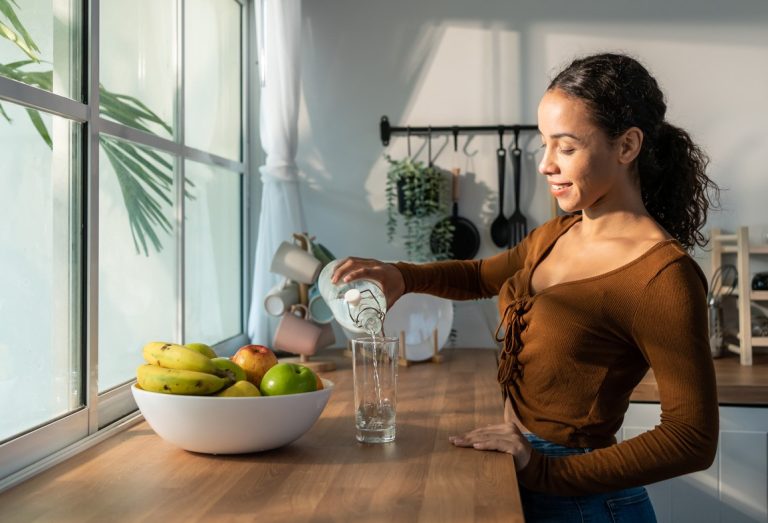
<point x="505" y="437"/>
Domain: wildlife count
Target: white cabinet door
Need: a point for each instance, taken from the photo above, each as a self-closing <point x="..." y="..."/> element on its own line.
<point x="733" y="490"/>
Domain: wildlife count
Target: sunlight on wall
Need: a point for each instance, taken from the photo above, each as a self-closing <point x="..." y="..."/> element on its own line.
<point x="469" y="79"/>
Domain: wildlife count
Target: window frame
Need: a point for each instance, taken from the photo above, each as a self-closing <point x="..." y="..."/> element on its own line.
<point x="114" y="410"/>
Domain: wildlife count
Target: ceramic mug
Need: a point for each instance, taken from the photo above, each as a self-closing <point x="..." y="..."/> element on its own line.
<point x="281" y="297"/>
<point x="319" y="312"/>
<point x="296" y="334"/>
<point x="327" y="337"/>
<point x="295" y="263"/>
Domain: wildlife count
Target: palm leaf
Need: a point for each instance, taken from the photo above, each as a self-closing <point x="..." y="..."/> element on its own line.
<point x="129" y="111"/>
<point x="9" y="34"/>
<point x="142" y="207"/>
<point x="146" y="113"/>
<point x="5" y="115"/>
<point x="145" y="177"/>
<point x="22" y="38"/>
<point x="37" y="121"/>
<point x="15" y="71"/>
<point x="162" y="189"/>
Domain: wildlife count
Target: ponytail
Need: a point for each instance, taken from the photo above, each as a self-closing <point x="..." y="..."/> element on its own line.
<point x="674" y="184"/>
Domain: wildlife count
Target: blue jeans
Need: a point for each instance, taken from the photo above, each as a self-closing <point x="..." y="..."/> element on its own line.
<point x="622" y="506"/>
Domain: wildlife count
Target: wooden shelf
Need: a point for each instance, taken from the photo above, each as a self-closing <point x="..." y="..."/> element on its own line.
<point x="738" y="243"/>
<point x="753" y="295"/>
<point x="753" y="249"/>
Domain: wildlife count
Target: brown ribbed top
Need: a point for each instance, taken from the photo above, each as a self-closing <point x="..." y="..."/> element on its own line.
<point x="573" y="352"/>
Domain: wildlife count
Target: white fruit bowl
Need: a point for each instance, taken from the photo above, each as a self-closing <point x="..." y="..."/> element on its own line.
<point x="218" y="425"/>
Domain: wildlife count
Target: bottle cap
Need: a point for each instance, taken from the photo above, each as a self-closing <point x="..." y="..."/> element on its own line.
<point x="353" y="297"/>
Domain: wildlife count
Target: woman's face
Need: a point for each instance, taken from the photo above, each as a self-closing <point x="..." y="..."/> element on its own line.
<point x="584" y="169"/>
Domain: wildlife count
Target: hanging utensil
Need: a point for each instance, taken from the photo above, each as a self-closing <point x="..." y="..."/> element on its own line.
<point x="465" y="241"/>
<point x="500" y="228"/>
<point x="517" y="222"/>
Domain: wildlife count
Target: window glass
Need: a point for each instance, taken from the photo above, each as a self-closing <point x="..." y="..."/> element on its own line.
<point x="137" y="256"/>
<point x="212" y="263"/>
<point x="138" y="65"/>
<point x="40" y="339"/>
<point x="212" y="77"/>
<point x="41" y="45"/>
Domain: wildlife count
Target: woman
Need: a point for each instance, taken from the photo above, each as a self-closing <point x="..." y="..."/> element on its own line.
<point x="589" y="301"/>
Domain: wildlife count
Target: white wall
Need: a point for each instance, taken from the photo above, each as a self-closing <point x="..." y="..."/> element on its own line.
<point x="446" y="62"/>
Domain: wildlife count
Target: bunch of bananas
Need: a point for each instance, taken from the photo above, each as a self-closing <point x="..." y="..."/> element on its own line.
<point x="178" y="369"/>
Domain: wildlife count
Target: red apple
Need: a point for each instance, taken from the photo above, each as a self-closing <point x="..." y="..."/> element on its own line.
<point x="255" y="360"/>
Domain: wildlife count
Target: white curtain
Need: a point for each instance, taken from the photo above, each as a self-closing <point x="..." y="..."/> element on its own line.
<point x="281" y="210"/>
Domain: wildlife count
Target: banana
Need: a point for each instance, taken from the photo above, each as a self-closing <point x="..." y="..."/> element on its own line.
<point x="172" y="356"/>
<point x="227" y="368"/>
<point x="202" y="348"/>
<point x="175" y="381"/>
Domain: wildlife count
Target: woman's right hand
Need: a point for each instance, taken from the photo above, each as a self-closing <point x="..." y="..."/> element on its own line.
<point x="386" y="275"/>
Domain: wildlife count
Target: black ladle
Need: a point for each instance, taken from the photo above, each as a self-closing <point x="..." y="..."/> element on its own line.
<point x="518" y="223"/>
<point x="500" y="227"/>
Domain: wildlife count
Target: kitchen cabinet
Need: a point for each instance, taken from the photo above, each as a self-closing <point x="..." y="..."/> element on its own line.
<point x="739" y="244"/>
<point x="734" y="489"/>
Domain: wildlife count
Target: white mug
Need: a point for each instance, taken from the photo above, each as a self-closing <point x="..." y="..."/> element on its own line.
<point x="295" y="263"/>
<point x="281" y="297"/>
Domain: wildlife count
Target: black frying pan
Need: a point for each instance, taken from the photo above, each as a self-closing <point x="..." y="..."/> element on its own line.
<point x="466" y="240"/>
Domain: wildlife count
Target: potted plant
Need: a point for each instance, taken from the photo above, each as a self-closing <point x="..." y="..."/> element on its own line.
<point x="413" y="191"/>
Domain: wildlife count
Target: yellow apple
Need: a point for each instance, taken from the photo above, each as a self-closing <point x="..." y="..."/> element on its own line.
<point x="240" y="389"/>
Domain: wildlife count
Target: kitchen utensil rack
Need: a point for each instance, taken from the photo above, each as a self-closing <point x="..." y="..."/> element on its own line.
<point x="738" y="243"/>
<point x="386" y="130"/>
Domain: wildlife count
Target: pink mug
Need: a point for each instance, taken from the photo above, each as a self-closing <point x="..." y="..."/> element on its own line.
<point x="296" y="334"/>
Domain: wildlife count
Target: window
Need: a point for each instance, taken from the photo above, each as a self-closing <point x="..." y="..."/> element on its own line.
<point x="40" y="357"/>
<point x="212" y="257"/>
<point x="126" y="197"/>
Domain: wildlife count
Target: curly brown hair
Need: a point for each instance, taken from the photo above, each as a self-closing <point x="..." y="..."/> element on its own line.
<point x="621" y="93"/>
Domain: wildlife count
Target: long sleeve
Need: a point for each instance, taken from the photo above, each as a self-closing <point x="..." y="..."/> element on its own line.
<point x="670" y="329"/>
<point x="472" y="279"/>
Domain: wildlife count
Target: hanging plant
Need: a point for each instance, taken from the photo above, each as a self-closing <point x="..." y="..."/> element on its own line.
<point x="413" y="192"/>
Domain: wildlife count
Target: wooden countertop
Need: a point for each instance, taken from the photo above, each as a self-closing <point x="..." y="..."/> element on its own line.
<point x="324" y="476"/>
<point x="736" y="384"/>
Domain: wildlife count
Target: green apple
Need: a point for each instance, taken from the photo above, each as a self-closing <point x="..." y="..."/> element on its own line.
<point x="202" y="348"/>
<point x="288" y="378"/>
<point x="240" y="389"/>
<point x="227" y="368"/>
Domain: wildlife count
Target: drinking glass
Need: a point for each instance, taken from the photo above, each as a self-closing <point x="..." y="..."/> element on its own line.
<point x="374" y="367"/>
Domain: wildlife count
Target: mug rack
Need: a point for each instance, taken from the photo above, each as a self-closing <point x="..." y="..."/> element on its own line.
<point x="314" y="364"/>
